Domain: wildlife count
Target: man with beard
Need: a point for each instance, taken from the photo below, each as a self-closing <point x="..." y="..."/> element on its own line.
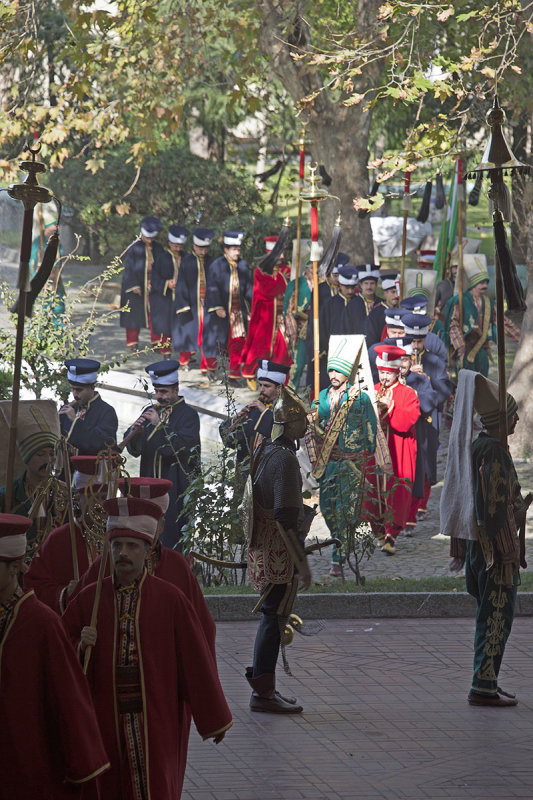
<point x="167" y="438"/>
<point x="88" y="424"/>
<point x="254" y="422"/>
<point x="188" y="316"/>
<point x="276" y="558"/>
<point x="149" y="665"/>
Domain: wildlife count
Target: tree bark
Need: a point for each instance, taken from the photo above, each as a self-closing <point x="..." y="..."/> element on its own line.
<point x="339" y="133"/>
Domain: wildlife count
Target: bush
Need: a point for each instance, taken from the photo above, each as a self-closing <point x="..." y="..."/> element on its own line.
<point x="173" y="185"/>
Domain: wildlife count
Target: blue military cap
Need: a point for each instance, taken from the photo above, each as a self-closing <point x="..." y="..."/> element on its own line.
<point x="416" y="324"/>
<point x="177" y="234"/>
<point x="348" y="275"/>
<point x="164" y="373"/>
<point x="82" y="371"/>
<point x="342" y="259"/>
<point x="150" y="226"/>
<point x="233" y="238"/>
<point x="395" y="317"/>
<point x="417" y="304"/>
<point x="202" y="237"/>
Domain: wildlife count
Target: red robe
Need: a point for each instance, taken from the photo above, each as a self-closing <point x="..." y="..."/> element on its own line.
<point x="174" y="568"/>
<point x="50" y="742"/>
<point x="51" y="568"/>
<point x="399" y="428"/>
<point x="176" y="667"/>
<point x="264" y="339"/>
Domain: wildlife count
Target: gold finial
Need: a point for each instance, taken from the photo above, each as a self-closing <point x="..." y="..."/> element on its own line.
<point x="313" y="191"/>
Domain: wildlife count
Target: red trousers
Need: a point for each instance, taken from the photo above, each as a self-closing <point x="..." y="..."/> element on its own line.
<point x="235" y="347"/>
<point x="132" y="339"/>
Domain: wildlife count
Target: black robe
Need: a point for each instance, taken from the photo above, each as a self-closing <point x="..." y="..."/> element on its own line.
<point x="426" y="431"/>
<point x="185" y="323"/>
<point x="171" y="451"/>
<point x="375" y="323"/>
<point x="157" y="301"/>
<point x="216" y="329"/>
<point x="325" y="293"/>
<point x="96" y="429"/>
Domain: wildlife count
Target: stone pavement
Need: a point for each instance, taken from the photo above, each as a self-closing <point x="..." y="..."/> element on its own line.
<point x="385" y="718"/>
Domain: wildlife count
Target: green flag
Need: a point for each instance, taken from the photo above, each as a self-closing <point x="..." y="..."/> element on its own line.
<point x="448" y="231"/>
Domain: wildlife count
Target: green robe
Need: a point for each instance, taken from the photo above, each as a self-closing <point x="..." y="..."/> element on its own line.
<point x="470" y="322"/>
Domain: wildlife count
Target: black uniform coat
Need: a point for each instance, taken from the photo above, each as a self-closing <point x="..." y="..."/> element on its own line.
<point x="155" y="301"/>
<point x="426" y="431"/>
<point x="216" y="329"/>
<point x="375" y="323"/>
<point x="185" y="323"/>
<point x="93" y="431"/>
<point x="170" y="451"/>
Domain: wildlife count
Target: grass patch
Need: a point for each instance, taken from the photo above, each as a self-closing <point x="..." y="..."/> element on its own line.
<point x="389" y="585"/>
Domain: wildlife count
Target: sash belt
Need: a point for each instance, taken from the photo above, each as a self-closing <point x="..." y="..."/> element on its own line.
<point x="129" y="693"/>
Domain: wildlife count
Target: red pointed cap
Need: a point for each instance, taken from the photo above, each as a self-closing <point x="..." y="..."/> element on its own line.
<point x="132" y="517"/>
<point x="13" y="529"/>
<point x="389" y="357"/>
<point x="154" y="489"/>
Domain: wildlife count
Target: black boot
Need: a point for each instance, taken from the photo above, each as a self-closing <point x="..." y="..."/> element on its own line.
<point x="249" y="677"/>
<point x="266" y="698"/>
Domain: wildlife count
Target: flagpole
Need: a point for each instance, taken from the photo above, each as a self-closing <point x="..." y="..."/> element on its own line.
<point x="406" y="205"/>
<point x="301" y="173"/>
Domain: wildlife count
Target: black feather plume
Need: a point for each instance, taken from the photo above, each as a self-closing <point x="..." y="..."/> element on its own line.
<point x="514" y="292"/>
<point x="263" y="176"/>
<point x="326" y="178"/>
<point x="269" y="261"/>
<point x="329" y="259"/>
<point x="473" y="197"/>
<point x="423" y="214"/>
<point x="41" y="276"/>
<point x="363" y="212"/>
<point x="440" y="197"/>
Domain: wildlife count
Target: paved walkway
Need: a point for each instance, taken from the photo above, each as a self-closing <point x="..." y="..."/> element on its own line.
<point x="385" y="718"/>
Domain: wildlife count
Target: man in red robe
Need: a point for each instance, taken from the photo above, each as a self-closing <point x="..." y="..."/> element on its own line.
<point x="149" y="659"/>
<point x="50" y="743"/>
<point x="265" y="339"/>
<point x="51" y="572"/>
<point x="398" y="409"/>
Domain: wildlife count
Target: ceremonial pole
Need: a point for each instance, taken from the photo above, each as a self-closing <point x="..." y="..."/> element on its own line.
<point x="301" y="173"/>
<point x="497" y="158"/>
<point x="29" y="193"/>
<point x="460" y="269"/>
<point x="406" y="205"/>
<point x="314" y="194"/>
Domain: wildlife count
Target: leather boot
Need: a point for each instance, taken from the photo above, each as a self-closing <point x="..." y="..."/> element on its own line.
<point x="249" y="677"/>
<point x="265" y="697"/>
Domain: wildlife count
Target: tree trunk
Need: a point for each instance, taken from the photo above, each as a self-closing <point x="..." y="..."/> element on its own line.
<point x="339" y="133"/>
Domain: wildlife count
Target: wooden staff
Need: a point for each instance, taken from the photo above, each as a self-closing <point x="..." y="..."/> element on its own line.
<point x="71" y="520"/>
<point x="316" y="332"/>
<point x="112" y="488"/>
<point x="299" y="220"/>
<point x="460" y="269"/>
<point x="406" y="204"/>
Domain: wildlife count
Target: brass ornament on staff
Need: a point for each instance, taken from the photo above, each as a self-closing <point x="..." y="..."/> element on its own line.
<point x="314" y="194"/>
<point x="30" y="192"/>
<point x="499" y="160"/>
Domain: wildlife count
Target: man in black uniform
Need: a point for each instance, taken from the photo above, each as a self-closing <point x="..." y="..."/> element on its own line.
<point x="244" y="431"/>
<point x="276" y="557"/>
<point x="168" y="441"/>
<point x="88" y="423"/>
